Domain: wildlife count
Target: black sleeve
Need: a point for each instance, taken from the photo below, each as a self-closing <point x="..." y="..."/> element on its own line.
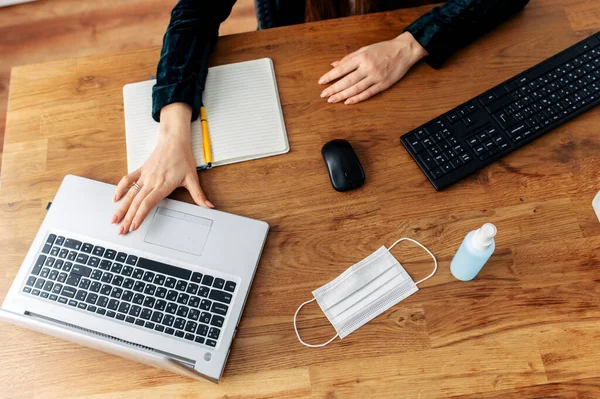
<point x="447" y="28"/>
<point x="190" y="38"/>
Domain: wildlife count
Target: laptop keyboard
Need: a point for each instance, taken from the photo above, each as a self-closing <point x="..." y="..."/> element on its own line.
<point x="142" y="292"/>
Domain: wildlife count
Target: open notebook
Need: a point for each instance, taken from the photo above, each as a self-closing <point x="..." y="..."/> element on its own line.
<point x="243" y="110"/>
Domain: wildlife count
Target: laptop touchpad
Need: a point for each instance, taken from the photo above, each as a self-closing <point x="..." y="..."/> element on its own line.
<point x="179" y="231"/>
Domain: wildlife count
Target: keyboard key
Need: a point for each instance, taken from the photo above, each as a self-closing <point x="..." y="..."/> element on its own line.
<point x="202" y="330"/>
<point x="87" y="248"/>
<point x="47" y="248"/>
<point x="44" y="294"/>
<point x="164" y="268"/>
<point x="199" y="339"/>
<point x="170" y="282"/>
<point x="101" y="311"/>
<point x="131" y="260"/>
<point x="101" y="302"/>
<point x="81" y="305"/>
<point x="160" y="305"/>
<point x="437" y="173"/>
<point x="62" y="277"/>
<point x="214" y="333"/>
<point x="179" y="323"/>
<point x="205" y="304"/>
<point x="197" y="277"/>
<point x="179" y="333"/>
<point x="39" y="283"/>
<point x="191" y="326"/>
<point x="120" y="316"/>
<point x="159" y="279"/>
<point x="72" y="302"/>
<point x="117" y="280"/>
<point x="140" y="322"/>
<point x="105" y="264"/>
<point x="169" y="331"/>
<point x="219" y="308"/>
<point x="203" y="291"/>
<point x="50" y="239"/>
<point x="98" y="251"/>
<point x="57" y="288"/>
<point x="127" y="271"/>
<point x="121" y="257"/>
<point x="91" y="298"/>
<point x="182" y="311"/>
<point x="106" y="277"/>
<point x="95" y="286"/>
<point x="194" y="314"/>
<point x="157" y="316"/>
<point x="63" y="253"/>
<point x="149" y="302"/>
<point x="62" y="299"/>
<point x="116" y="292"/>
<point x="194" y="302"/>
<point x="128" y="283"/>
<point x="135" y="310"/>
<point x="106" y="289"/>
<point x="81" y="270"/>
<point x="92" y="308"/>
<point x="217" y="321"/>
<point x="172" y="295"/>
<point x="205" y="317"/>
<point x="48" y="286"/>
<point x="116" y="268"/>
<point x="73" y="279"/>
<point x="110" y="254"/>
<point x="130" y="319"/>
<point x="219" y="283"/>
<point x="161" y="292"/>
<point x="81" y="294"/>
<point x="53" y="297"/>
<point x="127" y="295"/>
<point x="138" y="299"/>
<point x="171" y="308"/>
<point x="72" y="244"/>
<point x="192" y="288"/>
<point x="138" y="274"/>
<point x="67" y="267"/>
<point x="30" y="281"/>
<point x="82" y="258"/>
<point x="49" y="262"/>
<point x="138" y="286"/>
<point x="146" y="314"/>
<point x="181" y="285"/>
<point x="225" y="297"/>
<point x="37" y="268"/>
<point x="149" y="325"/>
<point x="148" y="276"/>
<point x="54" y="251"/>
<point x="93" y="261"/>
<point x="159" y="328"/>
<point x="168" y="321"/>
<point x="183" y="298"/>
<point x="59" y="264"/>
<point x="189" y="337"/>
<point x="150" y="289"/>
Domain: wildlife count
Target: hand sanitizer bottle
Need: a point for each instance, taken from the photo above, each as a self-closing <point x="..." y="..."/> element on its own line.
<point x="475" y="250"/>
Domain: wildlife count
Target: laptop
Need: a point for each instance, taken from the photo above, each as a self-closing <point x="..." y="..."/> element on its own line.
<point x="169" y="294"/>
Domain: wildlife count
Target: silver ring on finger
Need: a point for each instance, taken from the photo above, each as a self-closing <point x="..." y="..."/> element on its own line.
<point x="136" y="186"/>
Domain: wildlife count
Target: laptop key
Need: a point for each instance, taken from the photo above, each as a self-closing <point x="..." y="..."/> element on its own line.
<point x="39" y="283"/>
<point x="72" y="256"/>
<point x="159" y="328"/>
<point x="63" y="253"/>
<point x="110" y="313"/>
<point x="220" y="296"/>
<point x="101" y="302"/>
<point x="164" y="268"/>
<point x="72" y="244"/>
<point x="98" y="251"/>
<point x="59" y="240"/>
<point x="140" y="322"/>
<point x="69" y="292"/>
<point x="121" y="257"/>
<point x="127" y="271"/>
<point x="53" y="275"/>
<point x="170" y="282"/>
<point x="181" y="285"/>
<point x="179" y="323"/>
<point x="168" y="321"/>
<point x="149" y="325"/>
<point x="130" y="319"/>
<point x="56" y="289"/>
<point x="190" y="326"/>
<point x="30" y="281"/>
<point x="205" y="317"/>
<point x="47" y="248"/>
<point x="53" y="297"/>
<point x="149" y="302"/>
<point x="67" y="267"/>
<point x="197" y="277"/>
<point x="116" y="268"/>
<point x="93" y="261"/>
<point x="150" y="289"/>
<point x="194" y="302"/>
<point x="106" y="277"/>
<point x="192" y="288"/>
<point x="219" y="283"/>
<point x="124" y="307"/>
<point x="160" y="305"/>
<point x="62" y="277"/>
<point x="127" y="296"/>
<point x="87" y="248"/>
<point x="182" y="311"/>
<point x="128" y="283"/>
<point x="105" y="290"/>
<point x="161" y="292"/>
<point x="72" y="302"/>
<point x="199" y="339"/>
<point x="217" y="321"/>
<point x="50" y="239"/>
<point x="116" y="292"/>
<point x="205" y="304"/>
<point x="171" y="308"/>
<point x="131" y="260"/>
<point x="138" y="274"/>
<point x="148" y="277"/>
<point x="157" y="316"/>
<point x="214" y="333"/>
<point x="219" y="308"/>
<point x="207" y="280"/>
<point x="179" y="333"/>
<point x="159" y="279"/>
<point x="172" y="295"/>
<point x="73" y="279"/>
<point x="62" y="299"/>
<point x="84" y="283"/>
<point x="135" y="310"/>
<point x="54" y="251"/>
<point x="37" y="268"/>
<point x="169" y="331"/>
<point x="203" y="291"/>
<point x="81" y="294"/>
<point x="95" y="287"/>
<point x="92" y="308"/>
<point x="91" y="298"/>
<point x="82" y="258"/>
<point x="210" y="342"/>
<point x="146" y="314"/>
<point x="183" y="298"/>
<point x="117" y="280"/>
<point x="50" y="261"/>
<point x="189" y="337"/>
<point x="44" y="294"/>
<point x="105" y="265"/>
<point x="193" y="314"/>
<point x="101" y="311"/>
<point x="113" y="304"/>
<point x="81" y="305"/>
<point x="202" y="330"/>
<point x="138" y="299"/>
<point x="120" y="316"/>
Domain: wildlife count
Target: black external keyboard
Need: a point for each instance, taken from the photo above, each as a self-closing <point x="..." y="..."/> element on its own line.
<point x="508" y="116"/>
<point x="141" y="292"/>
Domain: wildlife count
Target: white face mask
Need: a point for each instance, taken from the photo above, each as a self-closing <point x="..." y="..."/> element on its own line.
<point x="364" y="291"/>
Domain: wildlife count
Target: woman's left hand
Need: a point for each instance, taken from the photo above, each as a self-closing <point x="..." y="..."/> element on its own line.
<point x="371" y="69"/>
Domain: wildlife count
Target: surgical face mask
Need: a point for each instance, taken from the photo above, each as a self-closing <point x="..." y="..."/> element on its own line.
<point x="364" y="291"/>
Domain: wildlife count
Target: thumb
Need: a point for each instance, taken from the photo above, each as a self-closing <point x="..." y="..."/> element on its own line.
<point x="193" y="185"/>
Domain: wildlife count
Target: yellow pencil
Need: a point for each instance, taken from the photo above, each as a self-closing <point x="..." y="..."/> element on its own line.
<point x="205" y="138"/>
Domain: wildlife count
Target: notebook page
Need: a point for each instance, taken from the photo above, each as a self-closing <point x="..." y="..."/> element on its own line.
<point x="243" y="111"/>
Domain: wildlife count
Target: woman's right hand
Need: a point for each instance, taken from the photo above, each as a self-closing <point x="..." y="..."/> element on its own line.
<point x="170" y="165"/>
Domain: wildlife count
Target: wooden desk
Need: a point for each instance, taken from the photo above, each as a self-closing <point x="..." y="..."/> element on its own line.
<point x="527" y="326"/>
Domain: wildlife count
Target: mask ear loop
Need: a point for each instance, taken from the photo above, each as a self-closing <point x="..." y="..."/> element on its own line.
<point x="298" y="335"/>
<point x="426" y="250"/>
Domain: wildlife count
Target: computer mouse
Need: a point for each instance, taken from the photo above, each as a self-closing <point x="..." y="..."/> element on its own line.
<point x="345" y="170"/>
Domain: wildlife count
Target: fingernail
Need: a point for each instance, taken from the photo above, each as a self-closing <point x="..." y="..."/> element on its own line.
<point x="132" y="227"/>
<point x="348" y="102"/>
<point x="114" y="219"/>
<point x="331" y="100"/>
<point x="209" y="204"/>
<point x="120" y="230"/>
<point x="321" y="81"/>
<point x="324" y="94"/>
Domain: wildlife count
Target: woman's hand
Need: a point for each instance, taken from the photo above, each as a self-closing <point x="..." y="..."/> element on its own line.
<point x="371" y="69"/>
<point x="170" y="165"/>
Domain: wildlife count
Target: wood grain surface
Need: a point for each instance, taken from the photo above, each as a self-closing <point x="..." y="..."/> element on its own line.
<point x="526" y="327"/>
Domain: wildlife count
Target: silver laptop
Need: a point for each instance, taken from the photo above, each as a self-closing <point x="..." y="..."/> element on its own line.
<point x="169" y="294"/>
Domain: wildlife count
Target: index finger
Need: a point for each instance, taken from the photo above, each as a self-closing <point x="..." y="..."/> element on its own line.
<point x="343" y="68"/>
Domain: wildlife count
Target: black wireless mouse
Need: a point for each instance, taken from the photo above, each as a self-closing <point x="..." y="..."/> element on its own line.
<point x="345" y="171"/>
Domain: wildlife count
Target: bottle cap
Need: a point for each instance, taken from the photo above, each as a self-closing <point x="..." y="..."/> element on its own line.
<point x="484" y="236"/>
